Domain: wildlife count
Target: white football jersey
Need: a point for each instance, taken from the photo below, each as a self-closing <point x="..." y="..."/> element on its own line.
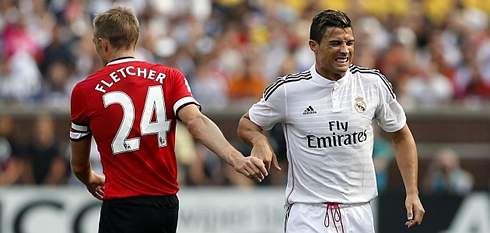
<point x="328" y="127"/>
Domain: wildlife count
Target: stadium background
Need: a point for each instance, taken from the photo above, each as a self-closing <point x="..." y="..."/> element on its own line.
<point x="436" y="53"/>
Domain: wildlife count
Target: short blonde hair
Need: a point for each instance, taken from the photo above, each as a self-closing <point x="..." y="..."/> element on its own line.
<point x="119" y="25"/>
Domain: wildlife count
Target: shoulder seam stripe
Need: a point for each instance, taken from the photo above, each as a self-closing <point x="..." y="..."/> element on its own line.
<point x="281" y="79"/>
<point x="376" y="72"/>
<point x="284" y="80"/>
<point x="289" y="78"/>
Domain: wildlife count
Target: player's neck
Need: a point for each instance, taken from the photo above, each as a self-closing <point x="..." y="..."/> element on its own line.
<point x="118" y="55"/>
<point x="120" y="58"/>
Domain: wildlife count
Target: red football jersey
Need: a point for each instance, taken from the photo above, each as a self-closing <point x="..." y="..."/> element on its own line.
<point x="130" y="108"/>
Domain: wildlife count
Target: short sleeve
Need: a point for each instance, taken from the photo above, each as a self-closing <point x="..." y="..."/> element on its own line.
<point x="79" y="115"/>
<point x="182" y="92"/>
<point x="271" y="109"/>
<point x="390" y="114"/>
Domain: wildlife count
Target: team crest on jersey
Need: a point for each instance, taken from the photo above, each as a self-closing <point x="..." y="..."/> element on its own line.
<point x="360" y="105"/>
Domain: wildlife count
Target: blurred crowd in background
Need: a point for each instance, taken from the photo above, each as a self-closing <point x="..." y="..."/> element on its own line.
<point x="435" y="52"/>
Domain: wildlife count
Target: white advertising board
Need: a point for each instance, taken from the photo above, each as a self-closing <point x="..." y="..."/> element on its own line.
<point x="202" y="210"/>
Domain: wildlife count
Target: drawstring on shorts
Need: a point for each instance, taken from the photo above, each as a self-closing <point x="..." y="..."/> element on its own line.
<point x="334" y="210"/>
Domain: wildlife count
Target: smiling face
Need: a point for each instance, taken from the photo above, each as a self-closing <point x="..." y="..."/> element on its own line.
<point x="335" y="52"/>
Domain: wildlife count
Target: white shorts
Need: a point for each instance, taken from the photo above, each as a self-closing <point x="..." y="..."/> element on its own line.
<point x="329" y="218"/>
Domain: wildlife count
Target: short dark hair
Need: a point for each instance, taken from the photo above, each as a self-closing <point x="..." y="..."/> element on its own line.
<point x="328" y="18"/>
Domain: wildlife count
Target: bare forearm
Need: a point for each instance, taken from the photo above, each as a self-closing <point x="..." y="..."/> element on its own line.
<point x="82" y="172"/>
<point x="250" y="133"/>
<point x="208" y="133"/>
<point x="406" y="157"/>
<point x="79" y="161"/>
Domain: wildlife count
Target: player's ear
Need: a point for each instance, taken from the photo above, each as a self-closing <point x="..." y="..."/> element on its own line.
<point x="104" y="43"/>
<point x="314" y="46"/>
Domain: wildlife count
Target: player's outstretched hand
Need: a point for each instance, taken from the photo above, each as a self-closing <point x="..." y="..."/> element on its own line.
<point x="95" y="185"/>
<point x="251" y="167"/>
<point x="415" y="211"/>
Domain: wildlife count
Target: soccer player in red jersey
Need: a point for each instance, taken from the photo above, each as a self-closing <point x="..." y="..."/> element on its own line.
<point x="130" y="107"/>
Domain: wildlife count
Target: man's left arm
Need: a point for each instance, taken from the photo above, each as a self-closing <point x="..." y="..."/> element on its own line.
<point x="406" y="158"/>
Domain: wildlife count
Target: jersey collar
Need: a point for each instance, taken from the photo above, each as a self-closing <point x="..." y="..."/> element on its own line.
<point x="317" y="77"/>
<point x="121" y="60"/>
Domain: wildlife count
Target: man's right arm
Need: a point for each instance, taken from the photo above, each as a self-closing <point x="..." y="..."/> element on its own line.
<point x="208" y="133"/>
<point x="252" y="135"/>
<point x="82" y="169"/>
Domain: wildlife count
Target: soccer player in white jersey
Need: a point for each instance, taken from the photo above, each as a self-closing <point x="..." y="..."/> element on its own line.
<point x="327" y="114"/>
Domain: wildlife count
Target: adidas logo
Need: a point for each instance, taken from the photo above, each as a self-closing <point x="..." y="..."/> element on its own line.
<point x="309" y="111"/>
